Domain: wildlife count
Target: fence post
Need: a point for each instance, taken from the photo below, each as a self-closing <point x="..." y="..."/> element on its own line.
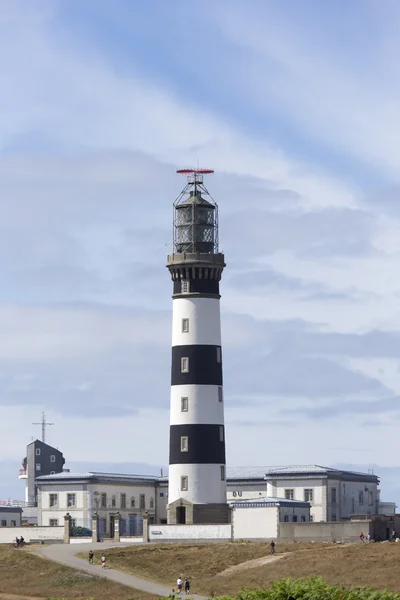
<point x="67" y="528"/>
<point x="117" y="523"/>
<point x="95" y="528"/>
<point x="146" y="527"/>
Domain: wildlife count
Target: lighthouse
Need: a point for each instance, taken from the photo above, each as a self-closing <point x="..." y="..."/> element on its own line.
<point x="197" y="473"/>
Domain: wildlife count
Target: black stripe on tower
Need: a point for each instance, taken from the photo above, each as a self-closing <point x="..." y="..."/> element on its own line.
<point x="198" y="286"/>
<point x="204" y="365"/>
<point x="205" y="444"/>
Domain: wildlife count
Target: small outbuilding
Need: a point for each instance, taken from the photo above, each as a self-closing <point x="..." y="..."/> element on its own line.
<point x="10" y="516"/>
<point x="259" y="518"/>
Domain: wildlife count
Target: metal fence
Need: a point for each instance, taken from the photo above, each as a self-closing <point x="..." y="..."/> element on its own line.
<point x="81" y="527"/>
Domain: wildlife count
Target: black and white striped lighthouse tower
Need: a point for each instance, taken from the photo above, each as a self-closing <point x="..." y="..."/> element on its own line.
<point x="197" y="485"/>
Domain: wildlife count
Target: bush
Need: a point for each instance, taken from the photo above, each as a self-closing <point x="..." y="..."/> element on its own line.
<point x="312" y="588"/>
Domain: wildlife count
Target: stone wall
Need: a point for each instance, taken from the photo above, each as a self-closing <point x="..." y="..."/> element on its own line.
<point x="344" y="531"/>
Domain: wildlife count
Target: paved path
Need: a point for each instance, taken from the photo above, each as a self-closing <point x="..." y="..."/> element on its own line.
<point x="65" y="554"/>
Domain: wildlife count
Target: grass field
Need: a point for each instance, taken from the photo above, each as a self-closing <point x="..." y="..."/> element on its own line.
<point x="25" y="575"/>
<point x="375" y="565"/>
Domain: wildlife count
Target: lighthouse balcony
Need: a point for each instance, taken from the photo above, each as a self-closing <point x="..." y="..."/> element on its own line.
<point x="23" y="474"/>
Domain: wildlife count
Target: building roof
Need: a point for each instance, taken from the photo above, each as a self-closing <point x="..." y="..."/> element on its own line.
<point x="264" y="501"/>
<point x="8" y="509"/>
<point x="96" y="476"/>
<point x="269" y="472"/>
<point x="233" y="474"/>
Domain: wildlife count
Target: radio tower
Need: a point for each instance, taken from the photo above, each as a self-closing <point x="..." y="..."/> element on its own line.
<point x="197" y="478"/>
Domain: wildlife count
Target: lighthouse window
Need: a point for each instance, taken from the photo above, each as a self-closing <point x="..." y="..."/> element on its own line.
<point x="184" y="364"/>
<point x="184" y="484"/>
<point x="185" y="325"/>
<point x="221" y="433"/>
<point x="184" y="444"/>
<point x="185" y="287"/>
<point x="222" y="467"/>
<point x="220" y="394"/>
<point x="184" y="404"/>
<point x="219" y="354"/>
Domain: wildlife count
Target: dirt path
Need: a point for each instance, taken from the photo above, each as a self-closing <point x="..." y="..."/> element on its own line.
<point x="252" y="564"/>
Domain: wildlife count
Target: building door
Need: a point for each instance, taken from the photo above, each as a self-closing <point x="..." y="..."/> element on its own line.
<point x="112" y="526"/>
<point x="180" y="515"/>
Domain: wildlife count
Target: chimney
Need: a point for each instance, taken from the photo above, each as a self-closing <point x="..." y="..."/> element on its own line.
<point x="161" y="475"/>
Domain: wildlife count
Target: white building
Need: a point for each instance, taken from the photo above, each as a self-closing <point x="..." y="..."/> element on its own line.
<point x="259" y="519"/>
<point x="83" y="494"/>
<point x="333" y="494"/>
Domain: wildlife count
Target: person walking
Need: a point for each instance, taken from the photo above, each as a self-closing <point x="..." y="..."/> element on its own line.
<point x="103" y="562"/>
<point x="187" y="585"/>
<point x="361" y="537"/>
<point x="90" y="557"/>
<point x="179" y="583"/>
<point x="272" y="546"/>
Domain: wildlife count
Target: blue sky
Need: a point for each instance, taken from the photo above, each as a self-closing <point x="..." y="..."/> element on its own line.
<point x="296" y="107"/>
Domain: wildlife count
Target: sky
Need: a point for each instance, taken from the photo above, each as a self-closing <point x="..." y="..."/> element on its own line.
<point x="296" y="108"/>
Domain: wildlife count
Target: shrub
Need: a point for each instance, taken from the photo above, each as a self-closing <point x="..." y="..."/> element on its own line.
<point x="312" y="588"/>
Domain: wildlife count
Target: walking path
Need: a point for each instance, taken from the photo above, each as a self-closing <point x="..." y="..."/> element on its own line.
<point x="252" y="564"/>
<point x="65" y="554"/>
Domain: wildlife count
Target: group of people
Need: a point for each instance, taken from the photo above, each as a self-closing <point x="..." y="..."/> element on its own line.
<point x="365" y="538"/>
<point x="102" y="560"/>
<point x="19" y="542"/>
<point x="183" y="585"/>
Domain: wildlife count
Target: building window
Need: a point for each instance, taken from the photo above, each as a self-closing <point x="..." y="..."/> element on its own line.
<point x="104" y="501"/>
<point x="184" y="404"/>
<point x="133" y="502"/>
<point x="113" y="502"/>
<point x="333" y="495"/>
<point x="73" y="523"/>
<point x="185" y="287"/>
<point x="286" y="518"/>
<point x="333" y="517"/>
<point x="52" y="472"/>
<point x="13" y="523"/>
<point x="71" y="499"/>
<point x="222" y="469"/>
<point x="52" y="458"/>
<point x="308" y="495"/>
<point x="218" y="354"/>
<point x="361" y="498"/>
<point x="151" y="503"/>
<point x="161" y="494"/>
<point x="53" y="522"/>
<point x="220" y="396"/>
<point x="185" y="325"/>
<point x="221" y="433"/>
<point x="184" y="483"/>
<point x="352" y="506"/>
<point x="294" y="518"/>
<point x="311" y="518"/>
<point x="184" y="364"/>
<point x="371" y="498"/>
<point x="37" y="451"/>
<point x="142" y="501"/>
<point x="303" y="519"/>
<point x="289" y="494"/>
<point x="123" y="500"/>
<point x="38" y="467"/>
<point x="53" y="500"/>
<point x="184" y="443"/>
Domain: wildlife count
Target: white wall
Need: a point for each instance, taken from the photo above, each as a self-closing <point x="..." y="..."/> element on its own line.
<point x="204" y="321"/>
<point x="255" y="523"/>
<point x="245" y="491"/>
<point x="8" y="534"/>
<point x="160" y="533"/>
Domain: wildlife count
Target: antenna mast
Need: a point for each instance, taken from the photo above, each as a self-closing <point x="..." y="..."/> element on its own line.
<point x="44" y="424"/>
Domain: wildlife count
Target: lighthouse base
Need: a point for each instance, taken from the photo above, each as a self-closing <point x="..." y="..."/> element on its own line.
<point x="183" y="512"/>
